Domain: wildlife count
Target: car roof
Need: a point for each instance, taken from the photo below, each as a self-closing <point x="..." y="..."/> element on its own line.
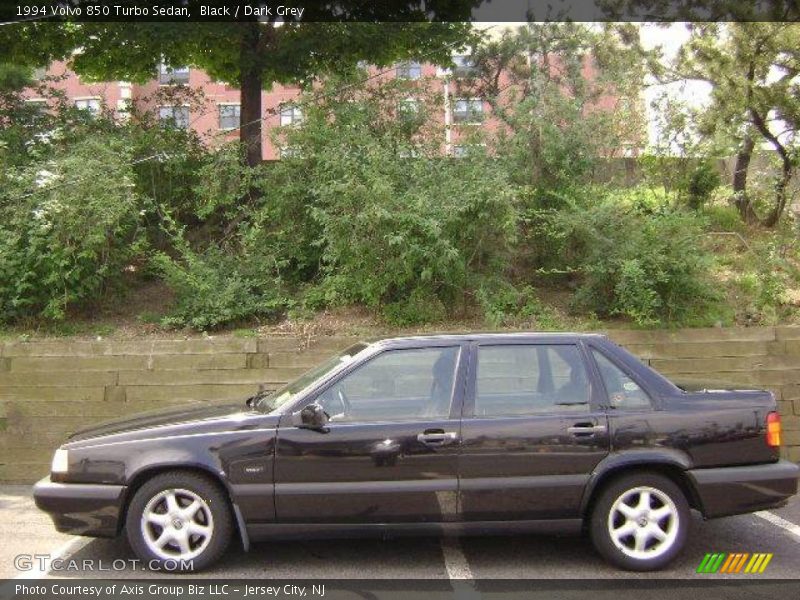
<point x="506" y="337"/>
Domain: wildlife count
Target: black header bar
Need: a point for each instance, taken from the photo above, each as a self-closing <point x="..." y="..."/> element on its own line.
<point x="510" y="11"/>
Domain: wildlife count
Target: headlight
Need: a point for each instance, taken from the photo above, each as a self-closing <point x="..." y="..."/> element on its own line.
<point x="60" y="461"/>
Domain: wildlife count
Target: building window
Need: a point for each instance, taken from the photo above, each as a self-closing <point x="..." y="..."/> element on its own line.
<point x="291" y="115"/>
<point x="229" y="116"/>
<point x="409" y="70"/>
<point x="468" y="110"/>
<point x="464" y="65"/>
<point x="168" y="75"/>
<point x="463" y="150"/>
<point x="174" y="116"/>
<point x="408" y="108"/>
<point x="38" y="105"/>
<point x="90" y="105"/>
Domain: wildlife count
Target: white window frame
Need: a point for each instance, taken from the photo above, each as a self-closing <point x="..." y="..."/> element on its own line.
<point x="291" y="115"/>
<point x="406" y="70"/>
<point x="172" y="107"/>
<point x="76" y="102"/>
<point x="470" y="113"/>
<point x="220" y="106"/>
<point x="168" y="75"/>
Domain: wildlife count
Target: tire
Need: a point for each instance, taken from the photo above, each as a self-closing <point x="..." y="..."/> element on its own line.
<point x="179" y="521"/>
<point x="636" y="537"/>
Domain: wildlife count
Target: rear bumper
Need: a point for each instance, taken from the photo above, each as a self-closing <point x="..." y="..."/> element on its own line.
<point x="735" y="490"/>
<point x="81" y="509"/>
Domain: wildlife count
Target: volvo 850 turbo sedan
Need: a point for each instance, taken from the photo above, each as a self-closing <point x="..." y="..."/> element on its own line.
<point x="463" y="434"/>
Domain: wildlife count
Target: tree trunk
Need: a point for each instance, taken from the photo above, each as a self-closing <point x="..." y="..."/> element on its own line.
<point x="740" y="169"/>
<point x="250" y="93"/>
<point x="782" y="185"/>
<point x="250" y="133"/>
<point x="781" y="189"/>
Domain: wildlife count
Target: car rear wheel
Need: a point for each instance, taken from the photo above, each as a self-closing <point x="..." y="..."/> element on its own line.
<point x="640" y="522"/>
<point x="179" y="522"/>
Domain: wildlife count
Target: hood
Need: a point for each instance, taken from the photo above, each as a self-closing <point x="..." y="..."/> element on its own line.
<point x="195" y="412"/>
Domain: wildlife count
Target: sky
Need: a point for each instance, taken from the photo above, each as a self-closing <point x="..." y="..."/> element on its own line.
<point x="694" y="93"/>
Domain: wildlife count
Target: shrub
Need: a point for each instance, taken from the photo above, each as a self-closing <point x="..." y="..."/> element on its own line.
<point x="703" y="180"/>
<point x="217" y="288"/>
<point x="68" y="227"/>
<point x="369" y="210"/>
<point x="648" y="267"/>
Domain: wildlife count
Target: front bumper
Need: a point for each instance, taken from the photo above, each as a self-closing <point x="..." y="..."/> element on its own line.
<point x="80" y="508"/>
<point x="735" y="490"/>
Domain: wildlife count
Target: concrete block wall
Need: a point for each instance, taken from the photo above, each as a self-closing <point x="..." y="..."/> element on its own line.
<point x="50" y="388"/>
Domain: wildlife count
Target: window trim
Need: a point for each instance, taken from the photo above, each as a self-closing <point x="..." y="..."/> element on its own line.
<point x="167" y="72"/>
<point x="594" y="405"/>
<point x="456" y="402"/>
<point x="294" y="108"/>
<point x="174" y="120"/>
<point x="470" y="113"/>
<point x="605" y="396"/>
<point x="220" y="106"/>
<point x="408" y="66"/>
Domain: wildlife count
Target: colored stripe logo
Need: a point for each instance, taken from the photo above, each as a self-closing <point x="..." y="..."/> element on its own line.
<point x="736" y="562"/>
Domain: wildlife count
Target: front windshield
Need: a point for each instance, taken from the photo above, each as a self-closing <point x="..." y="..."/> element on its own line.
<point x="285" y="394"/>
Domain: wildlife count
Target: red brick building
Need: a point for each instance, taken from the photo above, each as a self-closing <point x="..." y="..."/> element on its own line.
<point x="215" y="116"/>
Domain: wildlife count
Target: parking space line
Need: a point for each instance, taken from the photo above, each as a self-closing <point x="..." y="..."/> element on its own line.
<point x="780" y="522"/>
<point x="455" y="563"/>
<point x="63" y="552"/>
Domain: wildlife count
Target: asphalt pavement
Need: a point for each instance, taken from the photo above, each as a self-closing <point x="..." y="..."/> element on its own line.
<point x="26" y="532"/>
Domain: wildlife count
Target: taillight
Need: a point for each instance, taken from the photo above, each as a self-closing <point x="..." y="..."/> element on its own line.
<point x="774" y="429"/>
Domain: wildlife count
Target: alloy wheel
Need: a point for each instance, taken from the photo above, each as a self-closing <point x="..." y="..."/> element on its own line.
<point x="177" y="524"/>
<point x="643" y="522"/>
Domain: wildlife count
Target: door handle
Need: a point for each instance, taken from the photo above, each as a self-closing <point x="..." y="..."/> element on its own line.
<point x="437" y="438"/>
<point x="585" y="429"/>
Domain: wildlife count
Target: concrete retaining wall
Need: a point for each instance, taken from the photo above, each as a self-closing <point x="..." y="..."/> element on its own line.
<point x="49" y="388"/>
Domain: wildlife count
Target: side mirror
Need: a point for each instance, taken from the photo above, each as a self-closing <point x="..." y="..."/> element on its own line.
<point x="312" y="416"/>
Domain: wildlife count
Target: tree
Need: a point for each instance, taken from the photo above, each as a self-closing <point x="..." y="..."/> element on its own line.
<point x="251" y="53"/>
<point x="753" y="71"/>
<point x="566" y="94"/>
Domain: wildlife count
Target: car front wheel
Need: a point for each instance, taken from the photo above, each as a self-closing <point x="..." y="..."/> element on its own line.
<point x="640" y="522"/>
<point x="179" y="522"/>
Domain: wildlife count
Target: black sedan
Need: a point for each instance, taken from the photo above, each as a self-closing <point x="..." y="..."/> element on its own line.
<point x="455" y="433"/>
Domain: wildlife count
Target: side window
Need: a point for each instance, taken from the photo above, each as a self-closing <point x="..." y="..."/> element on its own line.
<point x="623" y="392"/>
<point x="396" y="385"/>
<point x="517" y="380"/>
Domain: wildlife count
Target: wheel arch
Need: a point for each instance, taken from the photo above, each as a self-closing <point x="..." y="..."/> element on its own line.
<point x="672" y="467"/>
<point x="139" y="478"/>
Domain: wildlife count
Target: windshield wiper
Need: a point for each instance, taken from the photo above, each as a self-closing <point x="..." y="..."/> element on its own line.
<point x="260" y="395"/>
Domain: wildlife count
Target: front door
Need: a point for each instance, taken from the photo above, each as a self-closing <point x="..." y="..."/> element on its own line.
<point x="533" y="431"/>
<point x="390" y="450"/>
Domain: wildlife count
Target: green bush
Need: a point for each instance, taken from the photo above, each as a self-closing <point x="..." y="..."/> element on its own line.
<point x="650" y="268"/>
<point x="703" y="180"/>
<point x="369" y="211"/>
<point x="68" y="228"/>
<point x="218" y="288"/>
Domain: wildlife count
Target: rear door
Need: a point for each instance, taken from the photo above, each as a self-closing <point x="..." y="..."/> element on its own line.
<point x="533" y="430"/>
<point x="390" y="451"/>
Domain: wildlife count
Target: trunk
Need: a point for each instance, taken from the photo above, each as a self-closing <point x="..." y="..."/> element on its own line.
<point x="740" y="169"/>
<point x="250" y="133"/>
<point x="781" y="189"/>
<point x="250" y="59"/>
<point x="782" y="185"/>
